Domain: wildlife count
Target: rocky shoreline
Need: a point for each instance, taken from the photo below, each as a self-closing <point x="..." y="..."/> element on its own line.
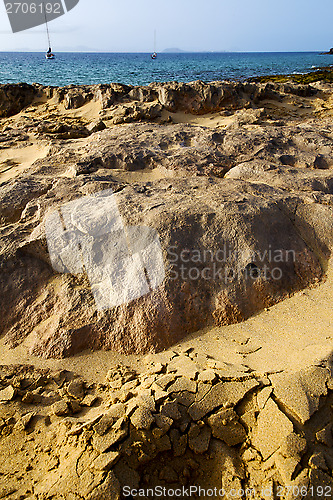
<point x="244" y="168"/>
<point x="240" y="162"/>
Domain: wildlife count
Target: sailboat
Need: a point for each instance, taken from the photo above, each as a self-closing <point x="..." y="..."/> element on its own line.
<point x="49" y="55"/>
<point x="154" y="54"/>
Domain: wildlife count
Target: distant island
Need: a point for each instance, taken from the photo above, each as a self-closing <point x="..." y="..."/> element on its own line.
<point x="330" y="52"/>
<point x="174" y="50"/>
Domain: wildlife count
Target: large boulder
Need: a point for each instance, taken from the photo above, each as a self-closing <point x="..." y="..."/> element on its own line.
<point x="229" y="250"/>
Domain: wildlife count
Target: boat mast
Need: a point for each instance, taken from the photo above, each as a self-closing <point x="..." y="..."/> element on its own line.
<point x="47" y="27"/>
<point x="154" y="41"/>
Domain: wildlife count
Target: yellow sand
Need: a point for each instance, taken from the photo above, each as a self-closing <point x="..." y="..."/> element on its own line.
<point x="14" y="161"/>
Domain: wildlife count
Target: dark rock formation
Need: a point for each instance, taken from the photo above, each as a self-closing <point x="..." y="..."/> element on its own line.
<point x="196" y="97"/>
<point x="15" y="97"/>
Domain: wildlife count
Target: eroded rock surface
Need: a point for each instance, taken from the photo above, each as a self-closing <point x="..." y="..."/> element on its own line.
<point x="242" y="267"/>
<point x="243" y="209"/>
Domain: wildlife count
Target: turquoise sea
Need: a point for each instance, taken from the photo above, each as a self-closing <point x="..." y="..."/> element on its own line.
<point x="140" y="69"/>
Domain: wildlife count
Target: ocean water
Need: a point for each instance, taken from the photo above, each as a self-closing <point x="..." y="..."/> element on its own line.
<point x="140" y="69"/>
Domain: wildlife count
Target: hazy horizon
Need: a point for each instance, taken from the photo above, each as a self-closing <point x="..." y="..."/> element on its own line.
<point x="92" y="51"/>
<point x="218" y="27"/>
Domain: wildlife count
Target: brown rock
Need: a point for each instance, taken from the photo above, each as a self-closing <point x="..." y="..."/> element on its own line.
<point x="185" y="398"/>
<point x="317" y="461"/>
<point x="203" y="389"/>
<point x="60" y="408"/>
<point x="164" y="381"/>
<point x="74" y="406"/>
<point x="154" y="368"/>
<point x="249" y="419"/>
<point x="28" y="397"/>
<point x="15" y="97"/>
<point x="320" y="162"/>
<point x="104" y="424"/>
<point x="325" y="435"/>
<point x="301" y="482"/>
<point x="300" y="392"/>
<point x="171" y="410"/>
<point x="142" y="418"/>
<point x="117" y="410"/>
<point x="179" y="443"/>
<point x="163" y="443"/>
<point x="207" y="376"/>
<point x="184" y="366"/>
<point x="110" y="488"/>
<point x="183" y="384"/>
<point x="145" y="401"/>
<point x="168" y="474"/>
<point x="7" y="394"/>
<point x="286" y="467"/>
<point x="75" y="389"/>
<point x="24" y="421"/>
<point x="319" y="479"/>
<point x="126" y="475"/>
<point x="74" y="99"/>
<point x="89" y="400"/>
<point x="262" y="397"/>
<point x="225" y="426"/>
<point x="159" y="395"/>
<point x="96" y="126"/>
<point x="199" y="438"/>
<point x="293" y="446"/>
<point x="118" y="432"/>
<point x="163" y="422"/>
<point x="200" y="156"/>
<point x="250" y="454"/>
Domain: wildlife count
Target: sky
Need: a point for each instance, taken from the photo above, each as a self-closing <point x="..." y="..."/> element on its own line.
<point x="190" y="25"/>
